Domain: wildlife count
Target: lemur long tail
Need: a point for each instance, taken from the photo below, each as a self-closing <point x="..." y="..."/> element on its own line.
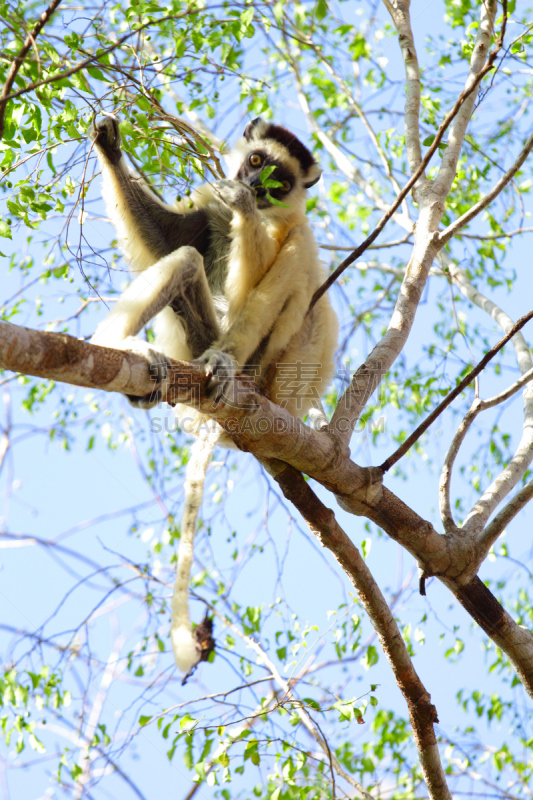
<point x="186" y="651"/>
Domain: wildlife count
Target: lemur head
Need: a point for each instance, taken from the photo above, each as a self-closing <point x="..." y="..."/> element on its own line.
<point x="264" y="145"/>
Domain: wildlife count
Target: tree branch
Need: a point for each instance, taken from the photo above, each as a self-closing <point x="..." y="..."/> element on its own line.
<point x="358" y="490"/>
<point x="417" y="433"/>
<point x="469" y="215"/>
<point x="19" y="60"/>
<point x="399" y="12"/>
<point x="508" y="513"/>
<point x="85" y="63"/>
<point x="516" y="467"/>
<point x="423" y="715"/>
<point x="446" y="474"/>
<point x="480" y="65"/>
<point x="463" y="97"/>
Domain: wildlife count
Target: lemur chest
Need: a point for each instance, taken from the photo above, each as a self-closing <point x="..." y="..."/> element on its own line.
<point x="255" y="246"/>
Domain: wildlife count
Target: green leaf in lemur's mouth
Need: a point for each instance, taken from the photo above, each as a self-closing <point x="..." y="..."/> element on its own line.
<point x="271" y="183"/>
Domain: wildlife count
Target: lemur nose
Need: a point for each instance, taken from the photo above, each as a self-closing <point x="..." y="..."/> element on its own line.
<point x="260" y="191"/>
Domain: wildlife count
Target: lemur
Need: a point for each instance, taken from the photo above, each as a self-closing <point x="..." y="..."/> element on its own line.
<point x="228" y="276"/>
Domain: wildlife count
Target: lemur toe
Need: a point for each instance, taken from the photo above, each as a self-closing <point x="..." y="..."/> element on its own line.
<point x="146" y="401"/>
<point x="159" y="367"/>
<point x="220" y="369"/>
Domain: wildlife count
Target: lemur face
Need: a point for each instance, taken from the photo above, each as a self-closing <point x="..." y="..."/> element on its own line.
<point x="264" y="145"/>
<point x="250" y="173"/>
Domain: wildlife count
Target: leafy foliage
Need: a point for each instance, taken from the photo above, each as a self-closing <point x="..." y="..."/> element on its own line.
<point x="181" y="77"/>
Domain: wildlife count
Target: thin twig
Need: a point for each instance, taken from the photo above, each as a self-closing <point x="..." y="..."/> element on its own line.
<point x="417" y="433"/>
<point x="96" y="57"/>
<point x="19" y="60"/>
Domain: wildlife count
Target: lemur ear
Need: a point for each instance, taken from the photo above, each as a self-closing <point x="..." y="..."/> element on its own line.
<point x="249" y="130"/>
<point x="312" y="182"/>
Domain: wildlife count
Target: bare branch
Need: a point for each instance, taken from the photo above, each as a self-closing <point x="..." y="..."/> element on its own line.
<point x="399" y="12"/>
<point x="507" y="514"/>
<point x="382" y="246"/>
<point x="469" y="215"/>
<point x="490" y="236"/>
<point x="417" y="433"/>
<point x="446" y="474"/>
<point x="446" y="514"/>
<point x="520" y="461"/>
<point x="478" y="66"/>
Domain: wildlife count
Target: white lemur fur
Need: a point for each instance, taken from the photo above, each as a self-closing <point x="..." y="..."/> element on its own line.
<point x="229" y="282"/>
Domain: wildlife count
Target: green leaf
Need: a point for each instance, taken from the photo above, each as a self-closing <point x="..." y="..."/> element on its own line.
<point x="321" y="10"/>
<point x="5" y="230"/>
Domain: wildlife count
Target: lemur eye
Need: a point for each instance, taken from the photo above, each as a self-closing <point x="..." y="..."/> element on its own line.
<point x="255" y="159"/>
<point x="286" y="186"/>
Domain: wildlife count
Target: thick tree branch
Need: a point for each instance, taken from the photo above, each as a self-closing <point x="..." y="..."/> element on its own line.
<point x="446" y="557"/>
<point x="422" y="712"/>
<point x="255" y="424"/>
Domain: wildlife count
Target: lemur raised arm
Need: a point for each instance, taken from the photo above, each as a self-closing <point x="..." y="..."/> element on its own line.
<point x="229" y="283"/>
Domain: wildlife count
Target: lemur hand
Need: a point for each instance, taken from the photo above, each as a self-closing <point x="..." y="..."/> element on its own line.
<point x="237" y="195"/>
<point x="106" y="135"/>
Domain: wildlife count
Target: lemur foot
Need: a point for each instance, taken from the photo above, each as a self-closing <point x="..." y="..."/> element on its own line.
<point x="237" y="195"/>
<point x="159" y="365"/>
<point x="220" y="369"/>
<point x="106" y="135"/>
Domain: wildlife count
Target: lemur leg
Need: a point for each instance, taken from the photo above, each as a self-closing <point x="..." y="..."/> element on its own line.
<point x="193" y="304"/>
<point x="179" y="281"/>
